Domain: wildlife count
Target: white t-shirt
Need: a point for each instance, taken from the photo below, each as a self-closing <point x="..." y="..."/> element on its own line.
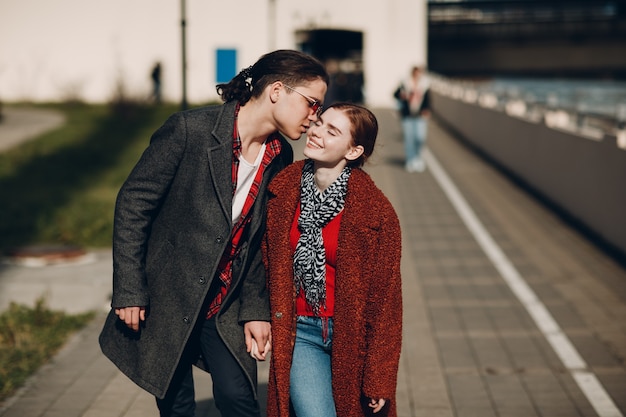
<point x="245" y="178"/>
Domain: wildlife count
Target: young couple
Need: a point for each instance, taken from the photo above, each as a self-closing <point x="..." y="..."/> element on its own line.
<point x="200" y="279"/>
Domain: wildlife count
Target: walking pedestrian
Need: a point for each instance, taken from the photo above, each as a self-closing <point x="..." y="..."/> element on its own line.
<point x="155" y="75"/>
<point x="412" y="96"/>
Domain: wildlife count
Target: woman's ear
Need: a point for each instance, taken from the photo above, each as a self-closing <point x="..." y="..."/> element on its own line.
<point x="354" y="153"/>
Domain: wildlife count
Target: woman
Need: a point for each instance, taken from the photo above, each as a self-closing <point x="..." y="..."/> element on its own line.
<point x="188" y="281"/>
<point x="332" y="254"/>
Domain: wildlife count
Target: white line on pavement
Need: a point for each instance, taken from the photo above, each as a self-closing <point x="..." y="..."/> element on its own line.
<point x="563" y="347"/>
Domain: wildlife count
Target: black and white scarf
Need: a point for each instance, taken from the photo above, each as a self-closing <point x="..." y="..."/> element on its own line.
<point x="317" y="209"/>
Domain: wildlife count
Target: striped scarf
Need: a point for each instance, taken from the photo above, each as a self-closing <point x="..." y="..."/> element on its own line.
<point x="317" y="209"/>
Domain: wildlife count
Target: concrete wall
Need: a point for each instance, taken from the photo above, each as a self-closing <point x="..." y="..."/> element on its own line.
<point x="583" y="177"/>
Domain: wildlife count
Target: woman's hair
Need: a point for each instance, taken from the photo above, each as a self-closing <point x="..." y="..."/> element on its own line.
<point x="290" y="67"/>
<point x="363" y="127"/>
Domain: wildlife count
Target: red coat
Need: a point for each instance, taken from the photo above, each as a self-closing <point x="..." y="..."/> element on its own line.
<point x="367" y="333"/>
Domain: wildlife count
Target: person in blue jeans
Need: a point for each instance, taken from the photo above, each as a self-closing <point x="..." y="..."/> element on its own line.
<point x="332" y="254"/>
<point x="412" y="96"/>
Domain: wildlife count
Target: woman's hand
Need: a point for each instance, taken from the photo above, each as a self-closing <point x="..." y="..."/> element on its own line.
<point x="258" y="339"/>
<point x="256" y="354"/>
<point x="377" y="404"/>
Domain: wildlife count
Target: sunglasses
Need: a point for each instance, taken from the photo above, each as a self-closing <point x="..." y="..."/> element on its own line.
<point x="315" y="105"/>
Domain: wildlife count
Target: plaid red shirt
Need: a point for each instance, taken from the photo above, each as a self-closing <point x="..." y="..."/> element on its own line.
<point x="225" y="270"/>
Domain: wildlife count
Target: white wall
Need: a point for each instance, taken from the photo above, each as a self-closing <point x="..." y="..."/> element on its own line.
<point x="57" y="49"/>
<point x="49" y="49"/>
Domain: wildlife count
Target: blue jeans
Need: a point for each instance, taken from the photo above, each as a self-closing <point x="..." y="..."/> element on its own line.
<point x="311" y="382"/>
<point x="414" y="131"/>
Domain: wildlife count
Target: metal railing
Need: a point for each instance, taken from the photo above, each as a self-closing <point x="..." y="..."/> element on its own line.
<point x="588" y="108"/>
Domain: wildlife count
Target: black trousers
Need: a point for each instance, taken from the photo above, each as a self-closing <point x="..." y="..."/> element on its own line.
<point x="231" y="389"/>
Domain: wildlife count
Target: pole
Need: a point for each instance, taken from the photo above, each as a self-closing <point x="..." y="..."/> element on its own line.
<point x="272" y="24"/>
<point x="183" y="27"/>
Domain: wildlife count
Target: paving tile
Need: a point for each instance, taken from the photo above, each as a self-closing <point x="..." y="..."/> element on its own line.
<point x="615" y="384"/>
<point x="595" y="353"/>
<point x="490" y="354"/>
<point x="525" y="352"/>
<point x="456" y="352"/>
<point x="551" y="397"/>
<point x="115" y="398"/>
<point x="509" y="396"/>
<point x="445" y="319"/>
<point x="470" y="396"/>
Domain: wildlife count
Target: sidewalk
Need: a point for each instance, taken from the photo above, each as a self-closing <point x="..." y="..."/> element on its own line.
<point x="19" y="124"/>
<point x="471" y="348"/>
<point x="75" y="286"/>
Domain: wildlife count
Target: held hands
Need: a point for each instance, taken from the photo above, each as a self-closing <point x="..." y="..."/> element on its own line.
<point x="131" y="316"/>
<point x="254" y="351"/>
<point x="258" y="339"/>
<point x="376" y="405"/>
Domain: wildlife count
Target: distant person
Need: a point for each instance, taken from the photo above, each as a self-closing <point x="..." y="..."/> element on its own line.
<point x="189" y="285"/>
<point x="332" y="251"/>
<point x="156" y="83"/>
<point x="412" y="96"/>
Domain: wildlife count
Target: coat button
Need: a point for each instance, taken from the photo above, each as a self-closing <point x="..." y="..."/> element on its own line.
<point x="219" y="239"/>
<point x="202" y="280"/>
<point x="278" y="315"/>
<point x="186" y="320"/>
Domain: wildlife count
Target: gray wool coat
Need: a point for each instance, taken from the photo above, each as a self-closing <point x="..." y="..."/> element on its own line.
<point x="172" y="224"/>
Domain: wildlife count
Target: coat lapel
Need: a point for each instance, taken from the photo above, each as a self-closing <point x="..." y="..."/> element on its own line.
<point x="220" y="155"/>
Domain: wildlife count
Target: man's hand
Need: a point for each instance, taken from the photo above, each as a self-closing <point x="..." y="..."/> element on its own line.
<point x="131" y="316"/>
<point x="258" y="339"/>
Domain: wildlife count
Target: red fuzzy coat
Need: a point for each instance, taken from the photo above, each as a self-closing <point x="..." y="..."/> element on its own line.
<point x="367" y="331"/>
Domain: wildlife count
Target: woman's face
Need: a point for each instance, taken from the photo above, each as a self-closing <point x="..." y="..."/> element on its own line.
<point x="329" y="140"/>
<point x="294" y="114"/>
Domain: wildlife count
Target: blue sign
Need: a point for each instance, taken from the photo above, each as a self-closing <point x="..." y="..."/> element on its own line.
<point x="226" y="65"/>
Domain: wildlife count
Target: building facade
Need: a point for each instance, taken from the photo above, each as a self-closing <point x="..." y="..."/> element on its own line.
<point x="93" y="50"/>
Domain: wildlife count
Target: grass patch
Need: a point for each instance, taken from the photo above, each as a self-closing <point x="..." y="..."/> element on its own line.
<point x="29" y="337"/>
<point x="60" y="188"/>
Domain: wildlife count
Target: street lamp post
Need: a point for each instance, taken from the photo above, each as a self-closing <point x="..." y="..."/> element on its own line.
<point x="272" y="24"/>
<point x="183" y="27"/>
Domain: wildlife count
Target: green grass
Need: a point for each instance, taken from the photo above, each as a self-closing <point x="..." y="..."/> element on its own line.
<point x="60" y="188"/>
<point x="28" y="338"/>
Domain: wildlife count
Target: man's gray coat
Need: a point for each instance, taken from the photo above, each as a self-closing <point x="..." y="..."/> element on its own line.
<point x="172" y="225"/>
